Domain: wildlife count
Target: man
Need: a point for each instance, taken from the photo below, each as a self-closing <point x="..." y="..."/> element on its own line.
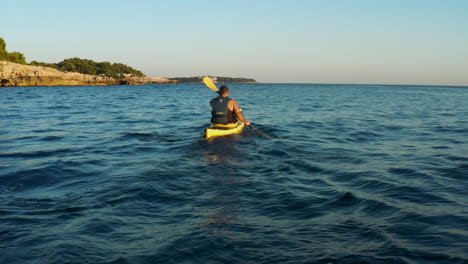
<point x="225" y="110"/>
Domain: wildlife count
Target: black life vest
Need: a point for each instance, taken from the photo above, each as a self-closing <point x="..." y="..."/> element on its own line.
<point x="220" y="113"/>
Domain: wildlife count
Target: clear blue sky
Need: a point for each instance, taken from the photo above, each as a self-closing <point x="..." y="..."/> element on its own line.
<point x="305" y="41"/>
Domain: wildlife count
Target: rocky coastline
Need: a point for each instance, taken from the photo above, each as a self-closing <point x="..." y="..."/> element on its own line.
<point x="14" y="74"/>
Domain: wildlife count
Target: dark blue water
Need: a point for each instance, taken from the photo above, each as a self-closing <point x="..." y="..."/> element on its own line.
<point x="330" y="174"/>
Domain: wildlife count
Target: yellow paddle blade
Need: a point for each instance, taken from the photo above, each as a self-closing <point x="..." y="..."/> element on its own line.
<point x="208" y="82"/>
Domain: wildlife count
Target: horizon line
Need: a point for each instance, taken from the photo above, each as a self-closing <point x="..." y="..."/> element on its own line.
<point x="383" y="84"/>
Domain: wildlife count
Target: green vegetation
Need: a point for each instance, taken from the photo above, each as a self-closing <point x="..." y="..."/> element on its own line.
<point x="218" y="79"/>
<point x="115" y="70"/>
<point x="10" y="56"/>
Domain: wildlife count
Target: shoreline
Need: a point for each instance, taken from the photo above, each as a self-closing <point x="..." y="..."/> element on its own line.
<point x="20" y="75"/>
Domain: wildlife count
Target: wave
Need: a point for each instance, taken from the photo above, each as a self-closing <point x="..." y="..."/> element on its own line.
<point x="125" y="176"/>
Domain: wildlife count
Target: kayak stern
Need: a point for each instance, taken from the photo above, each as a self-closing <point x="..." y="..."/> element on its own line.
<point x="217" y="130"/>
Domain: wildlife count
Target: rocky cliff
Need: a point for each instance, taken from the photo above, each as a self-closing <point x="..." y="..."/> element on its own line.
<point x="14" y="74"/>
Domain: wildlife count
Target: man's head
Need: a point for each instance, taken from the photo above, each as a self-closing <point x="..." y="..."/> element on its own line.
<point x="223" y="91"/>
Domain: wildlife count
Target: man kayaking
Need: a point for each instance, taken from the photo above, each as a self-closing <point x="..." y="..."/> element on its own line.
<point x="226" y="110"/>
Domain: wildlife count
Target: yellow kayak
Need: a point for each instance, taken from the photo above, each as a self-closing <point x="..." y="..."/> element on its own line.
<point x="217" y="130"/>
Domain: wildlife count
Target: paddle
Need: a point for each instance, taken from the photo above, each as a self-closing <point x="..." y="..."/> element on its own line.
<point x="210" y="84"/>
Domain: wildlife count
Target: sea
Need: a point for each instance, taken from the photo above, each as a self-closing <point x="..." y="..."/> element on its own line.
<point x="330" y="174"/>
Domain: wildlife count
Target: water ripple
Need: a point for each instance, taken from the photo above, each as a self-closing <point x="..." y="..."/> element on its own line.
<point x="122" y="174"/>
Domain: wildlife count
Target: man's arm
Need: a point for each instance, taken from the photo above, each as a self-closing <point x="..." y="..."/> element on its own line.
<point x="238" y="112"/>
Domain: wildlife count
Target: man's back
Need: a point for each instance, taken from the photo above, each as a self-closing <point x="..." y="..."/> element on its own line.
<point x="226" y="110"/>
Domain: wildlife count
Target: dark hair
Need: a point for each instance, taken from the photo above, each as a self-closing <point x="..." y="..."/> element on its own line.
<point x="223" y="89"/>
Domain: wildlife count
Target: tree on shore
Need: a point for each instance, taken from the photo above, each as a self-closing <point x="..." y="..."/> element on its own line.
<point x="10" y="56"/>
<point x="115" y="70"/>
<point x="2" y="44"/>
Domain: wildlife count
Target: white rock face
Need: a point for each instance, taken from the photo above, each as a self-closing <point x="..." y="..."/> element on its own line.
<point x="14" y="74"/>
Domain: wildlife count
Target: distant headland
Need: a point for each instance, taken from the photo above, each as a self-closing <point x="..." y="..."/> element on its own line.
<point x="15" y="71"/>
<point x="217" y="79"/>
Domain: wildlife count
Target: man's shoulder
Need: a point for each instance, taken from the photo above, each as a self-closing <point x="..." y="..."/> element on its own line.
<point x="233" y="105"/>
